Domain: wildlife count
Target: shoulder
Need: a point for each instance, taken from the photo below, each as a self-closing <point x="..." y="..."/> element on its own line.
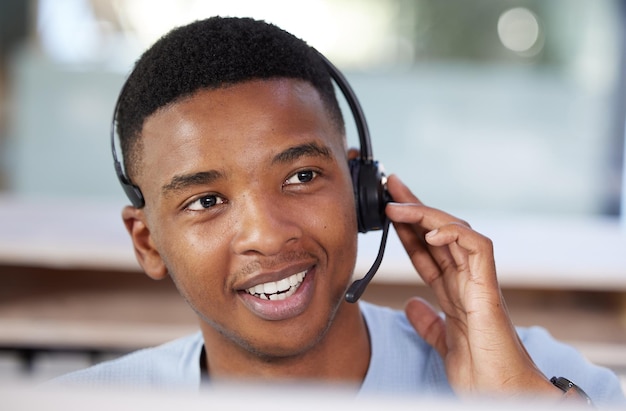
<point x="401" y="361"/>
<point x="175" y="364"/>
<point x="557" y="359"/>
<point x="387" y="325"/>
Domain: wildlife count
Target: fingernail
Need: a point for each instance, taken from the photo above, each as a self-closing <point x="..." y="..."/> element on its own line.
<point x="432" y="233"/>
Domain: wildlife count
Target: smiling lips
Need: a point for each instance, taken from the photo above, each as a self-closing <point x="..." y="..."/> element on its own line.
<point x="278" y="290"/>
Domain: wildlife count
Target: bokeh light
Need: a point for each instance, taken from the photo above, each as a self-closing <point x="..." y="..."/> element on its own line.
<point x="519" y="30"/>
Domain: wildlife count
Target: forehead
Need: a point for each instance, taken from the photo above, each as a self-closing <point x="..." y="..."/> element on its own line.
<point x="240" y="98"/>
<point x="243" y="120"/>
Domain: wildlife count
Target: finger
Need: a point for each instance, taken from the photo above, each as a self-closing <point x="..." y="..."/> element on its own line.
<point x="471" y="251"/>
<point x="462" y="234"/>
<point x="399" y="191"/>
<point x="448" y="236"/>
<point x="424" y="257"/>
<point x="427" y="218"/>
<point x="426" y="260"/>
<point x="427" y="323"/>
<point x="469" y="241"/>
<point x="412" y="222"/>
<point x="403" y="196"/>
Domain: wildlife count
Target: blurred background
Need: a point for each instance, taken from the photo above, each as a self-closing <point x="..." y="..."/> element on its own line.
<point x="508" y="113"/>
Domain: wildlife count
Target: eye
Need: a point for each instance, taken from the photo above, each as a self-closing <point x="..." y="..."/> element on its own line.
<point x="205" y="202"/>
<point x="300" y="177"/>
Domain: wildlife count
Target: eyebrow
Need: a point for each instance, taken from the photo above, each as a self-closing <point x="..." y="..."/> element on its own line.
<point x="305" y="150"/>
<point x="180" y="182"/>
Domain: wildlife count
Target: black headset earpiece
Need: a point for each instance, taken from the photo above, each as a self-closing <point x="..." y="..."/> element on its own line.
<point x="370" y="194"/>
<point x="368" y="179"/>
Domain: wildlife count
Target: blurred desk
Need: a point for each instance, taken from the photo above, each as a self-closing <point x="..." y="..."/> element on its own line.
<point x="69" y="282"/>
<point x="69" y="279"/>
<point x="66" y="234"/>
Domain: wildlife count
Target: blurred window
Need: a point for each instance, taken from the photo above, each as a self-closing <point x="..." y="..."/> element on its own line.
<point x="491" y="105"/>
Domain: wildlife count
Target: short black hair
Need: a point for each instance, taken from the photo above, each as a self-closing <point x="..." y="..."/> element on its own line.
<point x="209" y="54"/>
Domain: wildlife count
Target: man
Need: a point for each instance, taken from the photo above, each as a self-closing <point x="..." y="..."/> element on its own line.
<point x="232" y="133"/>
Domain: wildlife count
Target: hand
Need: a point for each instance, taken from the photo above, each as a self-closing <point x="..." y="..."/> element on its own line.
<point x="477" y="341"/>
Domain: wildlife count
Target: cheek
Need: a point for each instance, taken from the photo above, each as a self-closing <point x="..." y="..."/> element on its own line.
<point x="340" y="231"/>
<point x="340" y="222"/>
<point x="197" y="262"/>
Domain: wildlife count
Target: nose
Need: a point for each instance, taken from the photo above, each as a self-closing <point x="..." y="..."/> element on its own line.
<point x="264" y="225"/>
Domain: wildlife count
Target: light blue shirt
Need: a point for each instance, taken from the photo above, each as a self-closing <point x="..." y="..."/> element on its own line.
<point x="401" y="363"/>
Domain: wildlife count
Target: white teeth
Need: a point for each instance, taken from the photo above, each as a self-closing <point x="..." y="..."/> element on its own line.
<point x="283" y="285"/>
<point x="278" y="290"/>
<point x="270" y="288"/>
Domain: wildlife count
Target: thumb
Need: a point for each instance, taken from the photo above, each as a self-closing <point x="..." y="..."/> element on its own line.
<point x="428" y="324"/>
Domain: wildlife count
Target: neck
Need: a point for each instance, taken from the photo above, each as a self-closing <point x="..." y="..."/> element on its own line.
<point x="340" y="354"/>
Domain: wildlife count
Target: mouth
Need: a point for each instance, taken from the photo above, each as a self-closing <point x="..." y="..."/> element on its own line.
<point x="283" y="299"/>
<point x="278" y="290"/>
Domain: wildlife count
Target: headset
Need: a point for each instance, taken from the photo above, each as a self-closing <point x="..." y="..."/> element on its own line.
<point x="368" y="179"/>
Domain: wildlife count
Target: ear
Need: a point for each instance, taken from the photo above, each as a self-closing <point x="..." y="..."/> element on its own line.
<point x="353" y="153"/>
<point x="145" y="250"/>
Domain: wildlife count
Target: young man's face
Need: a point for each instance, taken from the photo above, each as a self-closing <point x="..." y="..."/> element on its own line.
<point x="249" y="205"/>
